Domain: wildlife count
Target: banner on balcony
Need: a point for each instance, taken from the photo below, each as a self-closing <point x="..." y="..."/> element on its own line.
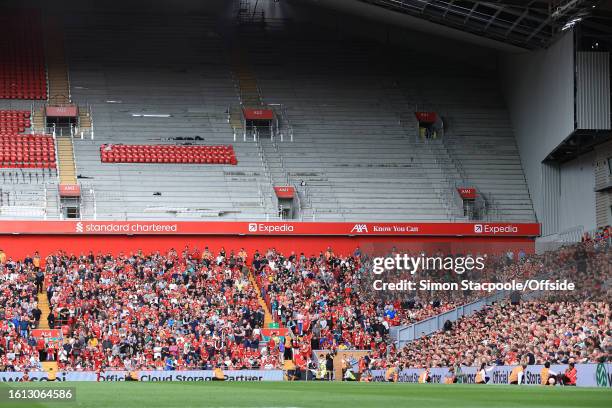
<point x="426" y="117"/>
<point x="467" y="193"/>
<point x="258" y="114"/>
<point x="62" y="111"/>
<point x="51" y="334"/>
<point x="69" y="190"/>
<point x="284" y="191"/>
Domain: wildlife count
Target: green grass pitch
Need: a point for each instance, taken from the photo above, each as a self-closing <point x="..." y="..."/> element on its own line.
<point x="315" y="395"/>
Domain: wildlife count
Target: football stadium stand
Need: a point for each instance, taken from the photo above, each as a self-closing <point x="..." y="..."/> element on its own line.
<point x="296" y="190"/>
<point x="346" y="136"/>
<point x="179" y="98"/>
<point x="356" y="123"/>
<point x="28" y="167"/>
<point x="193" y="309"/>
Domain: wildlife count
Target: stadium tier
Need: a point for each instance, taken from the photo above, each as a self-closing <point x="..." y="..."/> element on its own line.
<point x="22" y="64"/>
<point x="350" y="138"/>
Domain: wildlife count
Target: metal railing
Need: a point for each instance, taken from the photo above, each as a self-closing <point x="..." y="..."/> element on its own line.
<point x="87" y="205"/>
<point x="266" y="169"/>
<point x="57" y="167"/>
<point x="283" y="125"/>
<point x="286" y="179"/>
<point x="84" y="133"/>
<point x="448" y="195"/>
<point x="56" y="199"/>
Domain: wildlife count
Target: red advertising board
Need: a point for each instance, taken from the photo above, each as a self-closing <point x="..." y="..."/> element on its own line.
<point x="258" y="114"/>
<point x="442" y="229"/>
<point x="269" y="332"/>
<point x="284" y="191"/>
<point x="62" y="111"/>
<point x="467" y="193"/>
<point x="54" y="334"/>
<point x="69" y="190"/>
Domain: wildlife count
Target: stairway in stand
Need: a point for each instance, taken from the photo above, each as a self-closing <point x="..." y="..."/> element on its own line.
<point x="270" y="325"/>
<point x="235" y="120"/>
<point x="43" y="305"/>
<point x="267" y="314"/>
<point x="250" y="96"/>
<point x="57" y="69"/>
<point x="38" y="120"/>
<point x="59" y="95"/>
<point x="65" y="158"/>
<point x="85" y="123"/>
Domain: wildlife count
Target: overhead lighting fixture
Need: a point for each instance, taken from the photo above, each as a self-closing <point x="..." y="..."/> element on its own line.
<point x="113" y="101"/>
<point x="151" y="115"/>
<point x="571" y="23"/>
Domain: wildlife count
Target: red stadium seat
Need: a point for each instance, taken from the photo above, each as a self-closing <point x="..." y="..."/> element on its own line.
<point x="22" y="73"/>
<point x="167" y="154"/>
<point x="23" y="151"/>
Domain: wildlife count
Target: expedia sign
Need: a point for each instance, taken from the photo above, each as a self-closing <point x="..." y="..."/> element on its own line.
<point x="491" y="229"/>
<point x="270" y="228"/>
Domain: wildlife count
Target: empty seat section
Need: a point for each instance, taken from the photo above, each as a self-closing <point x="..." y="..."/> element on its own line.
<point x="167" y="154"/>
<point x="22" y="64"/>
<point x="14" y="121"/>
<point x="31" y="151"/>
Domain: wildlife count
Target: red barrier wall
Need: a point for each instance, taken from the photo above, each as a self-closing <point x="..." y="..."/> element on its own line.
<point x="17" y="246"/>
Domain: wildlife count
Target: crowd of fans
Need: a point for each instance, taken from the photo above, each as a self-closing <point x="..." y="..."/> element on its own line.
<point x="601" y="234"/>
<point x="506" y="334"/>
<point x="19" y="312"/>
<point x="139" y="311"/>
<point x="555" y="327"/>
<point x="195" y="309"/>
<point x="325" y="302"/>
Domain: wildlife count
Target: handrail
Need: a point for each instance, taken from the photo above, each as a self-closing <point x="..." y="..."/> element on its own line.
<point x="285" y="123"/>
<point x="74" y="163"/>
<point x="57" y="167"/>
<point x="448" y="196"/>
<point x="91" y="121"/>
<point x="462" y="175"/>
<point x="51" y="99"/>
<point x="282" y="162"/>
<point x="267" y="174"/>
<point x="45" y="202"/>
<point x="68" y="79"/>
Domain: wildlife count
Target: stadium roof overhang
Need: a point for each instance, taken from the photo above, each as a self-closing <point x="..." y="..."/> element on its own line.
<point x="581" y="141"/>
<point x="507" y="25"/>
